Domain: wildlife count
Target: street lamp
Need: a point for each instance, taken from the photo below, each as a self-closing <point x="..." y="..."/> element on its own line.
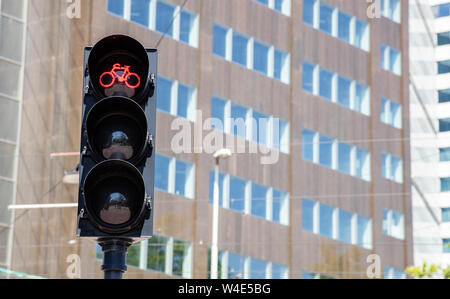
<point x="220" y="154"/>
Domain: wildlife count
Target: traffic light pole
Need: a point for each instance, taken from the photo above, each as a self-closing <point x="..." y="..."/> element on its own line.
<point x="114" y="256"/>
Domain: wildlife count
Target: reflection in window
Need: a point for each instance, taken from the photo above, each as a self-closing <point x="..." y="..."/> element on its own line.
<point x="164" y="15"/>
<point x="259" y="197"/>
<point x="139" y="12"/>
<point x="326" y="220"/>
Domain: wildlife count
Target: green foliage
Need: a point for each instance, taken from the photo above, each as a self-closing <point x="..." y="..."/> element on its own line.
<point x="428" y="271"/>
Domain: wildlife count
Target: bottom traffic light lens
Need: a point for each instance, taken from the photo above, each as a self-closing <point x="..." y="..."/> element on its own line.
<point x="114" y="195"/>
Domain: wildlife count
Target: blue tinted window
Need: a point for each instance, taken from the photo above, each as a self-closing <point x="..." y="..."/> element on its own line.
<point x="186" y="26"/>
<point x="181" y="178"/>
<point x="326" y="83"/>
<point x="219" y="41"/>
<point x="443" y="38"/>
<point x="260" y="58"/>
<point x="278" y="5"/>
<point x="446" y="245"/>
<point x="257" y="269"/>
<point x="364" y="232"/>
<point x="308" y="215"/>
<point x="236" y="265"/>
<point x="360" y="98"/>
<point x="308" y="275"/>
<point x="184" y="100"/>
<point x="344" y="91"/>
<point x="308" y="12"/>
<point x="442" y="10"/>
<point x="218" y="112"/>
<point x="446" y="215"/>
<point x="279" y="64"/>
<point x="344" y="27"/>
<point x="361" y="161"/>
<point x="164" y="92"/>
<point x="240" y="44"/>
<point x="326" y="221"/>
<point x="345" y="226"/>
<point x="308" y="145"/>
<point x="444" y="96"/>
<point x="445" y="184"/>
<point x="261" y="128"/>
<point x="325" y="151"/>
<point x="308" y="77"/>
<point x="360" y="33"/>
<point x="444" y="67"/>
<point x="116" y="7"/>
<point x="326" y="18"/>
<point x="444" y="125"/>
<point x="139" y="11"/>
<point x="237" y="194"/>
<point x="259" y="197"/>
<point x="264" y="2"/>
<point x="445" y="154"/>
<point x="239" y="116"/>
<point x="164" y="15"/>
<point x="278" y="271"/>
<point x="279" y="199"/>
<point x="162" y="173"/>
<point x="344" y="154"/>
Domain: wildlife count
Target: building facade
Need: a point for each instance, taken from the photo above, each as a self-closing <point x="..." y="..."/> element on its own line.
<point x="313" y="95"/>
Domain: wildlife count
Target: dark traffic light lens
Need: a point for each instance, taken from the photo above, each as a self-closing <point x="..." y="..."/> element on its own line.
<point x="114" y="194"/>
<point x="117" y="129"/>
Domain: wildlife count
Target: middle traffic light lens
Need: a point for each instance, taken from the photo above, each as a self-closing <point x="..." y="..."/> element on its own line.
<point x="117" y="129"/>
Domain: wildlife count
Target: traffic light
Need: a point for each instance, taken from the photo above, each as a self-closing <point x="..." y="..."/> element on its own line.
<point x="117" y="155"/>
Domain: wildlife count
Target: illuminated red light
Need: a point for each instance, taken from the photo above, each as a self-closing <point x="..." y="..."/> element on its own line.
<point x="121" y="74"/>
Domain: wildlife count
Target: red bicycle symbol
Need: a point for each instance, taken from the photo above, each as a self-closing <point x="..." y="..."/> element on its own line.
<point x="122" y="74"/>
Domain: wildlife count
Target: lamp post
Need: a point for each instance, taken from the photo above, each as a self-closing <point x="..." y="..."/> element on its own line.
<point x="220" y="154"/>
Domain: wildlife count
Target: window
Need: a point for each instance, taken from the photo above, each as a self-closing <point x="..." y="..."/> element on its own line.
<point x="364" y="232"/>
<point x="162" y="165"/>
<point x="343" y="96"/>
<point x="174" y="176"/>
<point x="444" y="96"/>
<point x="444" y="125"/>
<point x="237" y="194"/>
<point x="362" y="164"/>
<point x="308" y="215"/>
<point x="445" y="184"/>
<point x="444" y="67"/>
<point x="392" y="168"/>
<point x="184" y="179"/>
<point x="362" y="101"/>
<point x="9" y="110"/>
<point x="362" y="35"/>
<point x="344" y="158"/>
<point x="164" y="16"/>
<point x="442" y="10"/>
<point x="139" y="12"/>
<point x="221" y="188"/>
<point x="391" y="9"/>
<point x="345" y="226"/>
<point x="393" y="224"/>
<point x="219" y="40"/>
<point x="281" y="135"/>
<point x="176" y="99"/>
<point x="240" y="49"/>
<point x="257" y="269"/>
<point x="236" y="265"/>
<point x="261" y="128"/>
<point x="445" y="154"/>
<point x="344" y="22"/>
<point x="391" y="113"/>
<point x="239" y="117"/>
<point x="187" y="28"/>
<point x="308" y="77"/>
<point x="326" y="220"/>
<point x="116" y="7"/>
<point x="280" y="207"/>
<point x="156" y="253"/>
<point x="443" y="38"/>
<point x="260" y="57"/>
<point x="446" y="245"/>
<point x="325" y="84"/>
<point x="9" y="78"/>
<point x="393" y="273"/>
<point x="325" y="151"/>
<point x="308" y="145"/>
<point x="133" y="255"/>
<point x="326" y="18"/>
<point x="11" y="43"/>
<point x="391" y="60"/>
<point x="182" y="259"/>
<point x="279" y="271"/>
<point x="218" y="107"/>
<point x="308" y="11"/>
<point x="259" y="198"/>
<point x="281" y="66"/>
<point x="445" y="214"/>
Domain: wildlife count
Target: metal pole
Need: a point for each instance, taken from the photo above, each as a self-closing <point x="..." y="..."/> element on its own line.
<point x="114" y="256"/>
<point x="215" y="227"/>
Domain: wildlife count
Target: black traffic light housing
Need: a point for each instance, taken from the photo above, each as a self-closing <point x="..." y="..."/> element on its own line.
<point x="117" y="154"/>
